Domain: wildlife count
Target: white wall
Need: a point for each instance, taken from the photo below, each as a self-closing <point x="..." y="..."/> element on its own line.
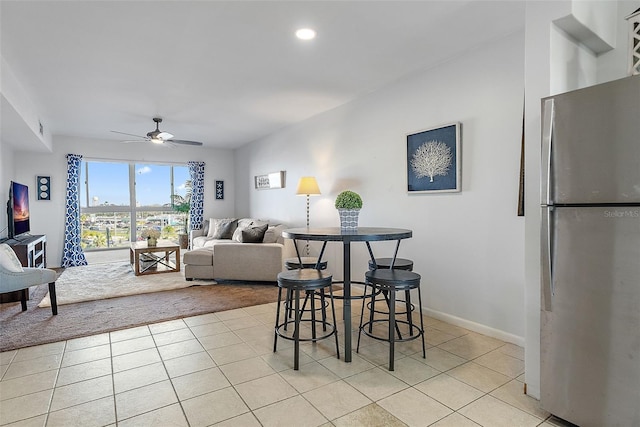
<point x="469" y="245"/>
<point x="47" y="217"/>
<point x="6" y="174"/>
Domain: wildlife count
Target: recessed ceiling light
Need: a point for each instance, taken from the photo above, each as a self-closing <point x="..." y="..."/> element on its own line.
<point x="305" y="34"/>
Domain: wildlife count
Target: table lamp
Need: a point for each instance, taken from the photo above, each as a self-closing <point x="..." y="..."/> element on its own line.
<point x="308" y="186"/>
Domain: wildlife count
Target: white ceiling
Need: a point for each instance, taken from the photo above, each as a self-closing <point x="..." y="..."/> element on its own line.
<point x="226" y="72"/>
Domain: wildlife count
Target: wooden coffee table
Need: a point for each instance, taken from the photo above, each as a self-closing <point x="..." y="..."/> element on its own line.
<point x="158" y="263"/>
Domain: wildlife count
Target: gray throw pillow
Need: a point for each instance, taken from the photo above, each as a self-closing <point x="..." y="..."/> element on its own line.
<point x="254" y="234"/>
<point x="224" y="228"/>
<point x="250" y="234"/>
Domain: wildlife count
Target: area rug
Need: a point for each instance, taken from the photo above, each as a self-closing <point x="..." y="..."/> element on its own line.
<point x="112" y="280"/>
<point x="38" y="326"/>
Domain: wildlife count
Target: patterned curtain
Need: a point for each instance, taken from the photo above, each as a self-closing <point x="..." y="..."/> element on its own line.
<point x="72" y="254"/>
<point x="196" y="169"/>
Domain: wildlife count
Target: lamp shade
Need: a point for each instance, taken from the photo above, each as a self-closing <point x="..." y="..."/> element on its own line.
<point x="308" y="186"/>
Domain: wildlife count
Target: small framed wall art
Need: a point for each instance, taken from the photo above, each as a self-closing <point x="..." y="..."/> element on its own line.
<point x="433" y="160"/>
<point x="43" y="185"/>
<point x="270" y="180"/>
<point x="219" y="190"/>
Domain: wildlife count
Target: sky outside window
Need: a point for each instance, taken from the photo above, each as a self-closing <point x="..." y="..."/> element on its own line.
<point x="109" y="184"/>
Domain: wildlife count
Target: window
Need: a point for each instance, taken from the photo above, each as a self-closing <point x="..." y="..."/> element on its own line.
<point x="112" y="194"/>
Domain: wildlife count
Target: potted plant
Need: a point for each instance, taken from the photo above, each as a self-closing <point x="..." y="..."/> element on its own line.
<point x="183" y="204"/>
<point x="348" y="204"/>
<point x="152" y="235"/>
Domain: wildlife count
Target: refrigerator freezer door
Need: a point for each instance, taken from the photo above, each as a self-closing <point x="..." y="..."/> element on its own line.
<point x="590" y="357"/>
<point x="595" y="154"/>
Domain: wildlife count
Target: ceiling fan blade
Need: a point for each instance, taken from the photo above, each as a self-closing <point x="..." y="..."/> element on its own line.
<point x="127" y="141"/>
<point x="164" y="135"/>
<point x="184" y="142"/>
<point x="130" y="134"/>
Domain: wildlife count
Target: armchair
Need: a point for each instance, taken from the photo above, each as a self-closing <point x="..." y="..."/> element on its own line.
<point x="14" y="277"/>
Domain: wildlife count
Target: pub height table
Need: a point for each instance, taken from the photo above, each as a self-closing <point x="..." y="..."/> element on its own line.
<point x="336" y="234"/>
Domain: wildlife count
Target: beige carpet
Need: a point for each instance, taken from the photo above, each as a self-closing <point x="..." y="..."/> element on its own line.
<point x="38" y="326"/>
<point x="102" y="281"/>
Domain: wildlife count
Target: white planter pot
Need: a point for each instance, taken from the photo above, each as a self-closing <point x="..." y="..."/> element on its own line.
<point x="349" y="218"/>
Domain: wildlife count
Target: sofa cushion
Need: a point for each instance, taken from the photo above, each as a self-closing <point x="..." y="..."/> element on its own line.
<point x="222" y="228"/>
<point x="254" y="234"/>
<point x="202" y="256"/>
<point x="273" y="234"/>
<point x="250" y="234"/>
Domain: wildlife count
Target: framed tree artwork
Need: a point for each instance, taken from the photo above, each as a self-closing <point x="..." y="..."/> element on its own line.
<point x="433" y="160"/>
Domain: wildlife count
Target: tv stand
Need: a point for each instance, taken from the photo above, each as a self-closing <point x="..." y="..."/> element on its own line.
<point x="32" y="252"/>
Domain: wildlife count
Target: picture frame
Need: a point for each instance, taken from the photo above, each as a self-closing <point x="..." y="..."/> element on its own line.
<point x="43" y="187"/>
<point x="219" y="190"/>
<point x="269" y="181"/>
<point x="434" y="160"/>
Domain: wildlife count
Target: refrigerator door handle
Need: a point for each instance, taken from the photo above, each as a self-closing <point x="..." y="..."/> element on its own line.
<point x="546" y="259"/>
<point x="548" y="113"/>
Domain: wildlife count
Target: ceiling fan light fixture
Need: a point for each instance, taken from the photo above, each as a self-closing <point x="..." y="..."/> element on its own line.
<point x="157" y="140"/>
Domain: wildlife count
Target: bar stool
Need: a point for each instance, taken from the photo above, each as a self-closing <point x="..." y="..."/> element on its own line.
<point x="392" y="281"/>
<point x="307" y="262"/>
<point x="305" y="280"/>
<point x="399" y="264"/>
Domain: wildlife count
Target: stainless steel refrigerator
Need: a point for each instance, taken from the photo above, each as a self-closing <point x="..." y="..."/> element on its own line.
<point x="590" y="269"/>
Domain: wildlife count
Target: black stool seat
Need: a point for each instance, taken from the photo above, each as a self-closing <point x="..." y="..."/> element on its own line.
<point x="389" y="282"/>
<point x="397" y="280"/>
<point x="307" y="262"/>
<point x="305" y="280"/>
<point x="400" y="264"/>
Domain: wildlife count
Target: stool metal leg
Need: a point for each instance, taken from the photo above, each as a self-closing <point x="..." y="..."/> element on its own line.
<point x="324" y="310"/>
<point x="335" y="325"/>
<point x="424" y="351"/>
<point x="364" y="302"/>
<point x="275" y="333"/>
<point x="407" y="298"/>
<point x="386" y="298"/>
<point x="313" y="313"/>
<point x="392" y="327"/>
<point x="296" y="333"/>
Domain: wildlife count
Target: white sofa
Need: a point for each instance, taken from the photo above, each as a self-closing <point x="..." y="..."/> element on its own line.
<point x="230" y="257"/>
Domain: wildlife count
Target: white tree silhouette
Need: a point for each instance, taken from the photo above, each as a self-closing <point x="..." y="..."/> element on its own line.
<point x="430" y="159"/>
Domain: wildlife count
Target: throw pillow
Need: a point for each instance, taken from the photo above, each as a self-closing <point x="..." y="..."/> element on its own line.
<point x="8" y="259"/>
<point x="254" y="234"/>
<point x="223" y="228"/>
<point x="205" y="227"/>
<point x="273" y="232"/>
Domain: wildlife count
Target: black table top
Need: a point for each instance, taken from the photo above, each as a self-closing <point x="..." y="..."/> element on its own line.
<point x="337" y="234"/>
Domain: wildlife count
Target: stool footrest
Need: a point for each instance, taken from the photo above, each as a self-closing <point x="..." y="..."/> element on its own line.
<point x="414" y="331"/>
<point x="281" y="330"/>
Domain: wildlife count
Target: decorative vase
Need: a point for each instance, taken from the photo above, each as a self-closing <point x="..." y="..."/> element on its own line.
<point x="152" y="242"/>
<point x="349" y="218"/>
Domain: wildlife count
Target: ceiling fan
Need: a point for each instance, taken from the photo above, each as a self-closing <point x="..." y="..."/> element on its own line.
<point x="158" y="137"/>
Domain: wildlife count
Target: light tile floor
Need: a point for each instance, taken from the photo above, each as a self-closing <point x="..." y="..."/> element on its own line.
<point x="219" y="369"/>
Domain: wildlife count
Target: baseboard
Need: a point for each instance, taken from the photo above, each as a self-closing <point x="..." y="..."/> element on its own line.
<point x="475" y="327"/>
<point x="468" y="324"/>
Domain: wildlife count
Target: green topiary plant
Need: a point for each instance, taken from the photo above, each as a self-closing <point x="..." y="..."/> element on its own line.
<point x="348" y="200"/>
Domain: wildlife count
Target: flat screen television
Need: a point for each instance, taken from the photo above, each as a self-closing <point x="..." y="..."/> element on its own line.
<point x="18" y="210"/>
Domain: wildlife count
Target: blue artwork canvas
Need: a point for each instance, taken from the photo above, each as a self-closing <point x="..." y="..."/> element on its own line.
<point x="433" y="160"/>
